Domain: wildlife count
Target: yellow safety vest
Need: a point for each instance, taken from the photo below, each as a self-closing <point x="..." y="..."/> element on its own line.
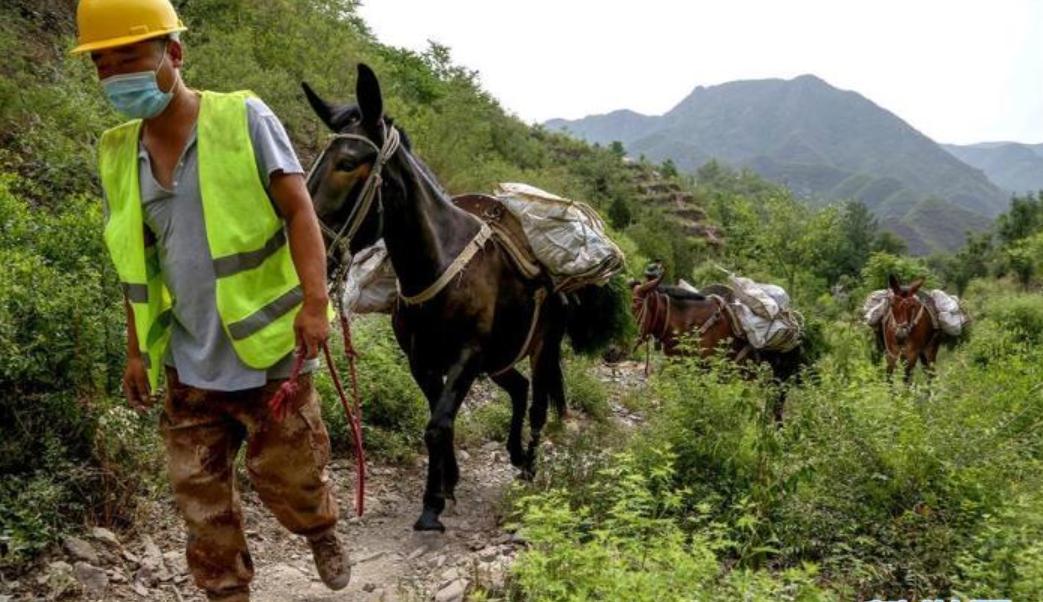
<point x="258" y="291"/>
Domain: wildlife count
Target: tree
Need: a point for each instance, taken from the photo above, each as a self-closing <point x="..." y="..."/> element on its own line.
<point x="1023" y="219"/>
<point x="858" y="229"/>
<point x="889" y="242"/>
<point x="616" y="148"/>
<point x="668" y="169"/>
<point x="1022" y="262"/>
<point x="882" y="265"/>
<point x="970" y="262"/>
<point x="619" y="214"/>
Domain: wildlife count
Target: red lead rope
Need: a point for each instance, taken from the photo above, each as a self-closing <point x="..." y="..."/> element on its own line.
<point x="279" y="404"/>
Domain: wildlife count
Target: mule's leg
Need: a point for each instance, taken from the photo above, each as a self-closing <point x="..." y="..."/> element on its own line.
<point x="550" y="352"/>
<point x="547" y="382"/>
<point x="442" y="471"/>
<point x="929" y="356"/>
<point x="517" y="386"/>
<point x="910" y="364"/>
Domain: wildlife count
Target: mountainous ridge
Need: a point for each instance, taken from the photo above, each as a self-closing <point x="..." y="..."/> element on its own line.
<point x="1013" y="166"/>
<point x="824" y="143"/>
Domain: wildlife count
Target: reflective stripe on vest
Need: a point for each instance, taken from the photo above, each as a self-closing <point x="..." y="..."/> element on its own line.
<point x="257" y="289"/>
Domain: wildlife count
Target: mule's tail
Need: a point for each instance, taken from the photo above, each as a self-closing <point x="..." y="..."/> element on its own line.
<point x="600" y="316"/>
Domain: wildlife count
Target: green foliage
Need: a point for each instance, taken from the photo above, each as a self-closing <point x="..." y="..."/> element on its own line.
<point x="487" y="422"/>
<point x="1019" y="314"/>
<point x="584" y="391"/>
<point x="626" y="546"/>
<point x="62" y="449"/>
<point x="882" y="265"/>
<point x="889" y="492"/>
<point x="1024" y="218"/>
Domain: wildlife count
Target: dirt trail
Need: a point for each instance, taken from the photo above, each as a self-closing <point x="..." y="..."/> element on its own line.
<point x="391" y="561"/>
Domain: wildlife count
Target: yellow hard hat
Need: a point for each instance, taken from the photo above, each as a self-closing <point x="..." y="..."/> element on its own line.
<point x="111" y="23"/>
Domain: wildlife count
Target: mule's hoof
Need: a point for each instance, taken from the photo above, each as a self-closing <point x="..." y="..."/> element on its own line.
<point x="518" y="459"/>
<point x="428" y="521"/>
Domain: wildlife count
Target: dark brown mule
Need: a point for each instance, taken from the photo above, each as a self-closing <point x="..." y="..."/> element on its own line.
<point x="484" y="319"/>
<point x="908" y="330"/>
<point x="669" y="313"/>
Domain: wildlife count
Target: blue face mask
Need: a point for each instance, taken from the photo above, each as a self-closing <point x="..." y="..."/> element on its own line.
<point x="137" y="95"/>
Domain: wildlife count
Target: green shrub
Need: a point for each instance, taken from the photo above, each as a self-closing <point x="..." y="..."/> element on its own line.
<point x="584" y="391"/>
<point x="489" y="421"/>
<point x="626" y="546"/>
<point x="1020" y="314"/>
<point x="61" y="357"/>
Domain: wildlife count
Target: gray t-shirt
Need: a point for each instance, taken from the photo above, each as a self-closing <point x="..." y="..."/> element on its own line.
<point x="200" y="349"/>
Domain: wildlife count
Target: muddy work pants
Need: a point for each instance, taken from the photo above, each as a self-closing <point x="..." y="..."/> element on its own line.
<point x="286" y="461"/>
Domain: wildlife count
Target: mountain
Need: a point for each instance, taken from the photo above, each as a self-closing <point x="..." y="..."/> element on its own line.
<point x="824" y="143"/>
<point x="1014" y="167"/>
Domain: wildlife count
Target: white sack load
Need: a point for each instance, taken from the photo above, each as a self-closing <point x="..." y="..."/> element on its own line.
<point x="568" y="237"/>
<point x="765" y="300"/>
<point x="371" y="285"/>
<point x="875" y="306"/>
<point x="951" y="317"/>
<point x="763" y="311"/>
<point x="685" y="285"/>
<point x="781" y="333"/>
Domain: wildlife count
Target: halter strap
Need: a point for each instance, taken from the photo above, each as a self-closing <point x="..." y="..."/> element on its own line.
<point x="370" y="189"/>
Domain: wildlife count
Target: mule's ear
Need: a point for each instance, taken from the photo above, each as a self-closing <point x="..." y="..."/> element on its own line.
<point x="367" y="91"/>
<point x="894" y="284"/>
<point x="322" y="108"/>
<point x="915" y="286"/>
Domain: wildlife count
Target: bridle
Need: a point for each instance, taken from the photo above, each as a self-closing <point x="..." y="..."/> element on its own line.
<point x="902" y="329"/>
<point x="340" y="240"/>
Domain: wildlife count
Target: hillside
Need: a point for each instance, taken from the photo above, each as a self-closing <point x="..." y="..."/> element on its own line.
<point x="1014" y="167"/>
<point x="823" y="143"/>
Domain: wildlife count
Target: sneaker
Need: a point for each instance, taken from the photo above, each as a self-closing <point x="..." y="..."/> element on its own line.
<point x="331" y="560"/>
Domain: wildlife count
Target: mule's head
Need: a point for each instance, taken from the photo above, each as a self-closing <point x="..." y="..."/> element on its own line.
<point x="640" y="291"/>
<point x="339" y="174"/>
<point x="905" y="306"/>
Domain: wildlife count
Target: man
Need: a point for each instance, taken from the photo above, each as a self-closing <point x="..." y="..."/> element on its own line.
<point x="212" y="231"/>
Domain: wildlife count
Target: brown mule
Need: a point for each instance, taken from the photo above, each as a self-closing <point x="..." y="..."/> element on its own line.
<point x="669" y="313"/>
<point x="908" y="329"/>
<point x="465" y="304"/>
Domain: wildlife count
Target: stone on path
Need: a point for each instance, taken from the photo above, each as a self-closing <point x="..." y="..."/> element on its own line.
<point x="80" y="549"/>
<point x="94" y="580"/>
<point x="453" y="592"/>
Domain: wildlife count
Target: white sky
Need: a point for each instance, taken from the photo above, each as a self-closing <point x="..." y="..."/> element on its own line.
<point x="958" y="71"/>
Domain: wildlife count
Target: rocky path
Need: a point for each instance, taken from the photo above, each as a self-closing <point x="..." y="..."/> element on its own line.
<point x="391" y="562"/>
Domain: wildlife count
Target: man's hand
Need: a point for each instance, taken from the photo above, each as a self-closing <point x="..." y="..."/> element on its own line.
<point x="135" y="384"/>
<point x="312" y="327"/>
